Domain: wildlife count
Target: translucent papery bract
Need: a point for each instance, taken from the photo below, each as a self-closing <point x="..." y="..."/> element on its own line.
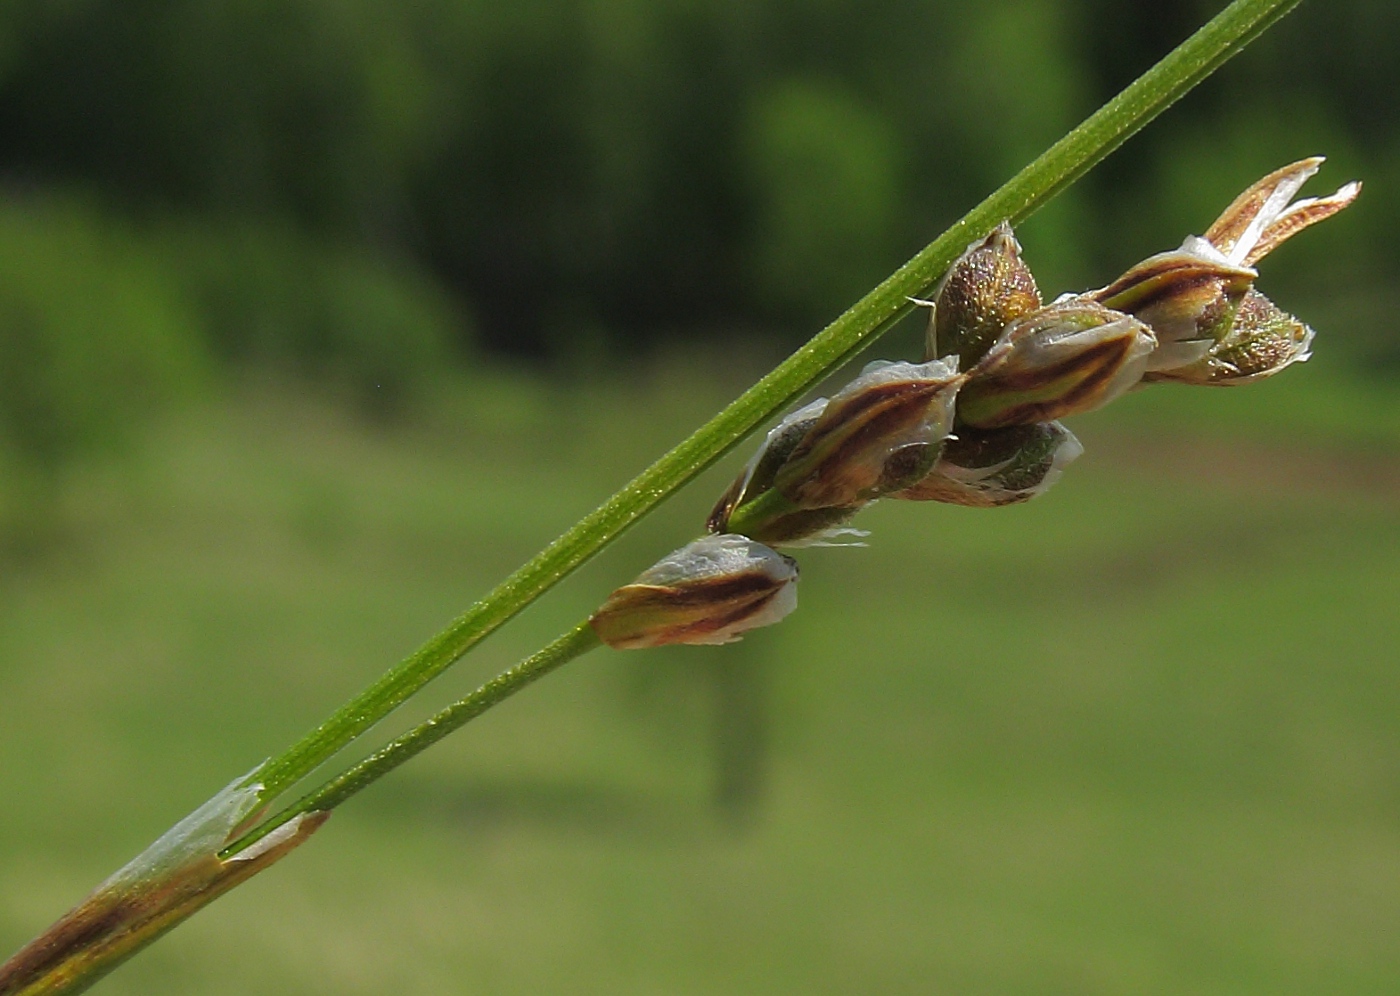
<point x="1070" y="357"/>
<point x="168" y="882"/>
<point x="708" y="592"/>
<point x="878" y="434"/>
<point x="988" y="469"/>
<point x="1262" y="340"/>
<point x="989" y="287"/>
<point x="202" y="832"/>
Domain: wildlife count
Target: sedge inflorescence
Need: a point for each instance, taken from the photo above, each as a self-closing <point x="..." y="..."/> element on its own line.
<point x="977" y="422"/>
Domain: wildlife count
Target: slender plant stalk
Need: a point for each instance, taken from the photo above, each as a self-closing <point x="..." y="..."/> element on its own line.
<point x="86" y="944"/>
<point x="1063" y="163"/>
<point x="1037" y="183"/>
<point x="575" y="643"/>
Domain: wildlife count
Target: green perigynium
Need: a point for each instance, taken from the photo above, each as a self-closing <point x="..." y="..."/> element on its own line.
<point x="987" y="468"/>
<point x="987" y="289"/>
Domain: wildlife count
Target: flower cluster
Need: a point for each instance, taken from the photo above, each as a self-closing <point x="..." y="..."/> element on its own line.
<point x="977" y="422"/>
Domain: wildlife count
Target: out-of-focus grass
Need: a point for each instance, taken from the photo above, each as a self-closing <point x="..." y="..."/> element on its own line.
<point x="1142" y="736"/>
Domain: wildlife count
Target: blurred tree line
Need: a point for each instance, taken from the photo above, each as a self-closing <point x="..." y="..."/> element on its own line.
<point x="369" y="192"/>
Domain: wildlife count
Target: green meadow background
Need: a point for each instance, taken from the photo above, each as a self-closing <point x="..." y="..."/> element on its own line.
<point x="318" y="317"/>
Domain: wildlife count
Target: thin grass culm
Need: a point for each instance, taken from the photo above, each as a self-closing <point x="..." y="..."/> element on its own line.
<point x="975" y="421"/>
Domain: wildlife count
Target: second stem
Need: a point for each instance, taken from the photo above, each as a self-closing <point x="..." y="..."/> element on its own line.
<point x="575" y="643"/>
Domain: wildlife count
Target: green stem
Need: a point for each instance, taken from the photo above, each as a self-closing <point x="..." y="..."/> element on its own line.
<point x="1059" y="166"/>
<point x="749" y="518"/>
<point x="575" y="643"/>
<point x="1068" y="159"/>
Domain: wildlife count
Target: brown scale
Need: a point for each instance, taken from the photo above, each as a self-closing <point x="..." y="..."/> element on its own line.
<point x="1101" y="362"/>
<point x="895" y="400"/>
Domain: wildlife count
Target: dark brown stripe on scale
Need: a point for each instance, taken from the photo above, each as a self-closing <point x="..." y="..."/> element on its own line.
<point x="1184" y="282"/>
<point x="880" y="394"/>
<point x="878" y="424"/>
<point x="704" y="592"/>
<point x="1108" y="353"/>
<point x="1035" y="411"/>
<point x="712" y="624"/>
<point x="894" y="398"/>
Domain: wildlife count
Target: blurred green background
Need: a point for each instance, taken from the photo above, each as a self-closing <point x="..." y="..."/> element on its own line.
<point x="317" y="317"/>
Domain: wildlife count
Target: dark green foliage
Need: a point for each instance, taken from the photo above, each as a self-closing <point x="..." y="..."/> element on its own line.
<point x="631" y="171"/>
<point x="93" y="332"/>
<point x="268" y="295"/>
<point x="677" y="164"/>
<point x="101" y="323"/>
<point x="825" y="177"/>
